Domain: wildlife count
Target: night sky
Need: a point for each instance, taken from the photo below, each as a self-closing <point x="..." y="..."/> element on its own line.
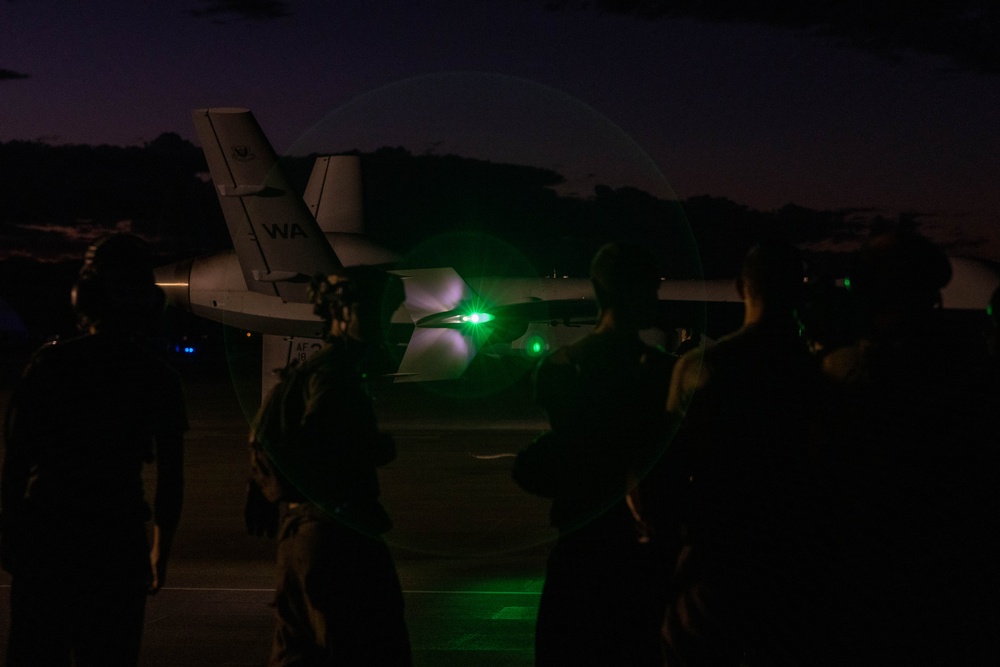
<point x="890" y="112"/>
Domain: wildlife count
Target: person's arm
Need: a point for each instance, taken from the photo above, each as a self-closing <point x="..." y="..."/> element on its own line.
<point x="16" y="467"/>
<point x="17" y="464"/>
<point x="167" y="508"/>
<point x="13" y="483"/>
<point x="688" y="376"/>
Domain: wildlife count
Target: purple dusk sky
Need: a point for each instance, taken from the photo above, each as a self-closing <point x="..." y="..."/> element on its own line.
<point x="762" y="115"/>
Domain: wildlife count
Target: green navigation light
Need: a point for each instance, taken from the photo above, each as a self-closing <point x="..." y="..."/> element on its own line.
<point x="477" y="318"/>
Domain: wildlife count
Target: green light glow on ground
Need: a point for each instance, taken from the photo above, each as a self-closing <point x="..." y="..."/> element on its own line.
<point x="505" y="586"/>
<point x="490" y="616"/>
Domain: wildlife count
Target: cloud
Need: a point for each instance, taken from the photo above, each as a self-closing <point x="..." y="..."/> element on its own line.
<point x="11" y="75"/>
<point x="256" y="10"/>
<point x="966" y="31"/>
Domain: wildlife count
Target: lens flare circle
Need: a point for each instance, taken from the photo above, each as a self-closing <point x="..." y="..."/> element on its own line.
<point x="499" y="120"/>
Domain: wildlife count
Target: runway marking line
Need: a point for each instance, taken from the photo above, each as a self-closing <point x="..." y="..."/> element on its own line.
<point x="271" y="590"/>
<point x="473" y="592"/>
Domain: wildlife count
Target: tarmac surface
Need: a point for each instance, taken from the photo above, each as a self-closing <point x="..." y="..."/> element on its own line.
<point x="469" y="545"/>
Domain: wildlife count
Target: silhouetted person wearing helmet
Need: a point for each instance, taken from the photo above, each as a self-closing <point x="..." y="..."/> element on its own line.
<point x="736" y="479"/>
<point x="688" y="338"/>
<point x="913" y="471"/>
<point x="315" y="447"/>
<point x="603" y="596"/>
<point x="88" y="413"/>
<point x="992" y="331"/>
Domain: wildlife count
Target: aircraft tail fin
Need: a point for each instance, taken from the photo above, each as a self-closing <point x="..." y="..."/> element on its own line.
<point x="435" y="353"/>
<point x="333" y="194"/>
<point x="279" y="244"/>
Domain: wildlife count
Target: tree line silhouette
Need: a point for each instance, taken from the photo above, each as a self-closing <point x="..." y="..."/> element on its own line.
<point x="55" y="199"/>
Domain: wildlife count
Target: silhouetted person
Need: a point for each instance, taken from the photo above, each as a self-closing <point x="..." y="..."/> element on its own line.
<point x="992" y="333"/>
<point x="736" y="478"/>
<point x="315" y="446"/>
<point x="913" y="471"/>
<point x="825" y="317"/>
<point x="602" y="602"/>
<point x="689" y="338"/>
<point x="88" y="413"/>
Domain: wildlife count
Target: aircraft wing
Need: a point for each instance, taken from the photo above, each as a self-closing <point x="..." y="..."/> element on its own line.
<point x="279" y="244"/>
